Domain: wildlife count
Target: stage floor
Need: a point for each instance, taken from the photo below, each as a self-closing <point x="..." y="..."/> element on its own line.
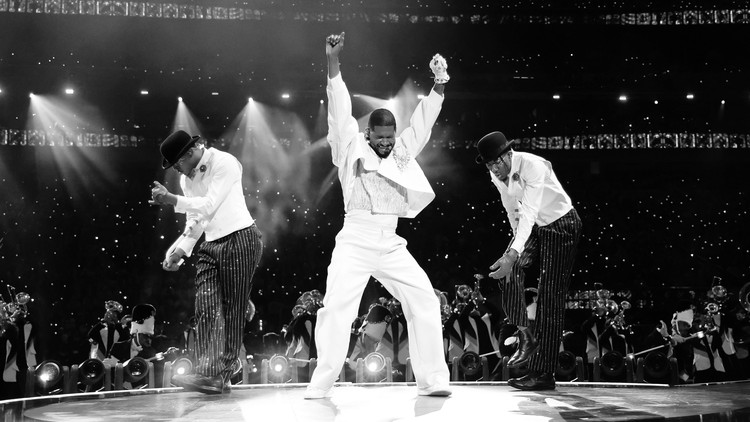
<point x="475" y="401"/>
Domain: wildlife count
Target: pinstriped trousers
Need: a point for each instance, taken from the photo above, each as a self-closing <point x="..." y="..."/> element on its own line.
<point x="553" y="248"/>
<point x="223" y="283"/>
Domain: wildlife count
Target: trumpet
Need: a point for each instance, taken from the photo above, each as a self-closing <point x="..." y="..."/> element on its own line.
<point x="11" y="312"/>
<point x="111" y="310"/>
<point x="463" y="292"/>
<point x="713" y="308"/>
<point x="19" y="306"/>
<point x="112" y="306"/>
<point x="618" y="321"/>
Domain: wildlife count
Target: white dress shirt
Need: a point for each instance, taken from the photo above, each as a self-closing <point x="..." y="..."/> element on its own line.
<point x="533" y="196"/>
<point x="214" y="202"/>
<point x="348" y="146"/>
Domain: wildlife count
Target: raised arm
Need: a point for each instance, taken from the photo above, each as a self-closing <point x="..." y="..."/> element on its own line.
<point x="334" y="45"/>
<point x="342" y="126"/>
<point x="423" y="119"/>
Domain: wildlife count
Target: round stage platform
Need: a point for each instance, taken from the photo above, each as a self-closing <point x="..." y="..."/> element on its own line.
<point x="474" y="401"/>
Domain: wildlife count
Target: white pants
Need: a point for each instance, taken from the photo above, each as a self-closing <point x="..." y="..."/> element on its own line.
<point x="366" y="247"/>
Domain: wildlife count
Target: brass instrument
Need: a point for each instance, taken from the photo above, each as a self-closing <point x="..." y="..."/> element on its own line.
<point x="445" y="307"/>
<point x="311" y="301"/>
<point x="618" y="321"/>
<point x="717" y="295"/>
<point x="112" y="309"/>
<point x="463" y="292"/>
<point x="605" y="307"/>
<point x="713" y="308"/>
<point x="745" y="296"/>
<point x="11" y="312"/>
<point x="112" y="306"/>
<point x="742" y="334"/>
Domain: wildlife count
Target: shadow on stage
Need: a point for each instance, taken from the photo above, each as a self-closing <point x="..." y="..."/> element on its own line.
<point x="476" y="401"/>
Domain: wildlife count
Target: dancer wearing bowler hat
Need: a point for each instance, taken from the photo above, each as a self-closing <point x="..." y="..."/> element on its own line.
<point x="214" y="204"/>
<point x="546" y="229"/>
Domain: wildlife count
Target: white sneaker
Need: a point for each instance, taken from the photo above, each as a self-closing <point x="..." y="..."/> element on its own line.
<point x="312" y="393"/>
<point x="436" y="390"/>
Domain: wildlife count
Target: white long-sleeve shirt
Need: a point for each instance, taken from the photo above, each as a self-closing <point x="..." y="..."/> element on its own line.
<point x="213" y="200"/>
<point x="348" y="146"/>
<point x="533" y="196"/>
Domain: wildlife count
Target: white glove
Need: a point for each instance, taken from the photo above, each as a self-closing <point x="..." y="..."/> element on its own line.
<point x="440" y="69"/>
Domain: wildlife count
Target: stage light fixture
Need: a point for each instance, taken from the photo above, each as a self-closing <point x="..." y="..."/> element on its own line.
<point x="91" y="371"/>
<point x="690" y="96"/>
<point x="374" y="362"/>
<point x="278" y="364"/>
<point x="374" y="368"/>
<point x="722" y="101"/>
<point x="470" y="364"/>
<point x="420" y="96"/>
<point x="176" y="365"/>
<point x="31" y="95"/>
<point x="569" y="367"/>
<point x="656" y="101"/>
<point x="69" y="91"/>
<point x="285" y="96"/>
<point x="623" y="98"/>
<point x="214" y="93"/>
<point x="135" y="369"/>
<point x="144" y="92"/>
<point x="556" y="97"/>
<point x="613" y="366"/>
<point x="49" y="377"/>
<point x="182" y="366"/>
<point x="236" y="367"/>
<point x="49" y="372"/>
<point x="656" y="367"/>
<point x="179" y="99"/>
<point x="276" y="370"/>
<point x="250" y="99"/>
<point x="322" y="102"/>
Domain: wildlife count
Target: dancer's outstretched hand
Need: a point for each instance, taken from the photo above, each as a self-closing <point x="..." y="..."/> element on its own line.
<point x="503" y="266"/>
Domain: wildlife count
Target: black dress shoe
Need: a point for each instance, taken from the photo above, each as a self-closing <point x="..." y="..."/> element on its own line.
<point x="200" y="383"/>
<point x="527" y="347"/>
<point x="534" y="382"/>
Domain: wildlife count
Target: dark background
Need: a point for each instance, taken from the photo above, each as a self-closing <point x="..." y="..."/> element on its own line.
<point x="76" y="228"/>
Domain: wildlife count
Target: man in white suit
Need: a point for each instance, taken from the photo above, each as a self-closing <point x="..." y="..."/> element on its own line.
<point x="381" y="182"/>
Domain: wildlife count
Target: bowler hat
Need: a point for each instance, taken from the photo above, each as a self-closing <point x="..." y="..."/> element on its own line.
<point x="175" y="146"/>
<point x="491" y="146"/>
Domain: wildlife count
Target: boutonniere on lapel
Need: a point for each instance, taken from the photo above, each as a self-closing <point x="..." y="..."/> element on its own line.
<point x="516" y="177"/>
<point x="401" y="156"/>
<point x="202" y="168"/>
